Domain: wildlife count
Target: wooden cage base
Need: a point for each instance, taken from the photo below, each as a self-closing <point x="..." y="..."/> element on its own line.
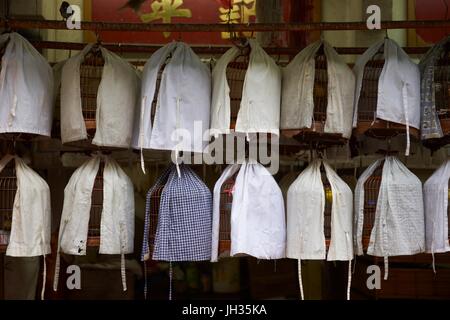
<point x="93" y="241"/>
<point x="315" y="137"/>
<point x="18" y="136"/>
<point x="86" y="145"/>
<point x="224" y="245"/>
<point x="382" y="129"/>
<point x="437" y="143"/>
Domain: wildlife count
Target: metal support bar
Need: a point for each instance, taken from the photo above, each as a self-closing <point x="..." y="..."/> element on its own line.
<point x="218" y="27"/>
<point x="122" y="48"/>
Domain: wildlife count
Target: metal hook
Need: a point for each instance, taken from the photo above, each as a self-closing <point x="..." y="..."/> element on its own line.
<point x="386" y="35"/>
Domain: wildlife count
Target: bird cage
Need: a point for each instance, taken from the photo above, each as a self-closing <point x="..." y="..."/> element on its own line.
<point x="8" y="189"/>
<point x="235" y="74"/>
<point x="226" y="203"/>
<point x="316" y="134"/>
<point x="96" y="209"/>
<point x="157" y="87"/>
<point x="441" y="86"/>
<point x="328" y="205"/>
<point x="57" y="75"/>
<point x="11" y="136"/>
<point x="320" y="92"/>
<point x="367" y="123"/>
<point x="56" y="125"/>
<point x="371" y="191"/>
<point x="91" y="71"/>
<point x="155" y="200"/>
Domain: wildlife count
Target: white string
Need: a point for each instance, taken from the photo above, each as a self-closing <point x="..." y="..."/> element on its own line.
<point x="58" y="258"/>
<point x="57" y="267"/>
<point x="145" y="279"/>
<point x="177" y="128"/>
<point x="170" y="280"/>
<point x="141" y="134"/>
<point x="405" y="107"/>
<point x="432" y="246"/>
<point x="123" y="272"/>
<point x="176" y="163"/>
<point x="300" y="282"/>
<point x="44" y="279"/>
<point x="434" y="263"/>
<point x="374" y="118"/>
<point x="386" y="268"/>
<point x="349" y="283"/>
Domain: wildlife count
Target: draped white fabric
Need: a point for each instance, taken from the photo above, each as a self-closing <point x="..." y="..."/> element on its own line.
<point x="261" y="96"/>
<point x="26" y="88"/>
<point x="258" y="226"/>
<point x="116" y="100"/>
<point x="297" y="108"/>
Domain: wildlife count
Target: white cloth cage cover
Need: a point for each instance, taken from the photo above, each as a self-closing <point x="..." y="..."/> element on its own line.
<point x="297" y="108"/>
<point x="26" y="88"/>
<point x="399" y="226"/>
<point x="305" y="219"/>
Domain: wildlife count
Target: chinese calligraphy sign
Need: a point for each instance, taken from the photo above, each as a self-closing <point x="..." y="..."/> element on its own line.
<point x="165" y="10"/>
<point x="241" y="11"/>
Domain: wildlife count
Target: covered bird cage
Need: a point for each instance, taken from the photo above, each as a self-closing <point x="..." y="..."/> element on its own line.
<point x="367" y="122"/>
<point x="316" y="135"/>
<point x="105" y="99"/>
<point x="226" y="202"/>
<point x="436" y="90"/>
<point x="436" y="194"/>
<point x="8" y="189"/>
<point x="23" y="96"/>
<point x="246" y="89"/>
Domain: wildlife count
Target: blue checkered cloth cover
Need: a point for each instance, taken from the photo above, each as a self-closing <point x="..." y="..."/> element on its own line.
<point x="184" y="230"/>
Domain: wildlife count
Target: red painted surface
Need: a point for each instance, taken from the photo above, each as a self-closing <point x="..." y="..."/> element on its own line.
<point x="432" y="10"/>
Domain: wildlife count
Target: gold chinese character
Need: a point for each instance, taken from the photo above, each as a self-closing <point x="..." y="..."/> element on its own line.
<point x="242" y="11"/>
<point x="165" y="10"/>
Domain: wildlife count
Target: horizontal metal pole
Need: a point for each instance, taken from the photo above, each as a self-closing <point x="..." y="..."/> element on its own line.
<point x="219" y="27"/>
<point x="200" y="49"/>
